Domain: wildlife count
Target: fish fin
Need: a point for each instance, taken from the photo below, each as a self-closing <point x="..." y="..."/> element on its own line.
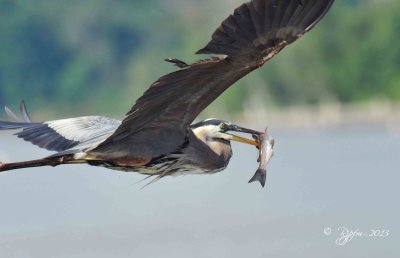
<point x="260" y="176"/>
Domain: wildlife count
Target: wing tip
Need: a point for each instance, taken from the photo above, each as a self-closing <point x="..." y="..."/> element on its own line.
<point x="250" y="24"/>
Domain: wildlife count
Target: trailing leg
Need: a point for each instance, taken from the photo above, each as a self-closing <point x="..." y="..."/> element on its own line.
<point x="49" y="161"/>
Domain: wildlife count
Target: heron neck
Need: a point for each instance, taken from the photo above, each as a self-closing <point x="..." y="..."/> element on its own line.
<point x="218" y="146"/>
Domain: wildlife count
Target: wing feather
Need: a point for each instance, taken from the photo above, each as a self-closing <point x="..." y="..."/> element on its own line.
<point x="64" y="134"/>
<point x="158" y="122"/>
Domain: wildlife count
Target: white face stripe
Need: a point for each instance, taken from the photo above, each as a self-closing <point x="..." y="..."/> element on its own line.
<point x="224" y="136"/>
<point x="209" y="119"/>
<point x="208" y="132"/>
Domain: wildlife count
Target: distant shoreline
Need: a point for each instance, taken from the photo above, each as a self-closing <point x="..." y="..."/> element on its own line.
<point x="367" y="116"/>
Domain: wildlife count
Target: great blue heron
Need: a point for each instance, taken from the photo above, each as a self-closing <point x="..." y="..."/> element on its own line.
<point x="156" y="137"/>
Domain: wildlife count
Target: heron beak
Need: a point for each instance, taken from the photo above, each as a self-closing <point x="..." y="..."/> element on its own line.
<point x="239" y="129"/>
<point x="242" y="140"/>
<point x="236" y="128"/>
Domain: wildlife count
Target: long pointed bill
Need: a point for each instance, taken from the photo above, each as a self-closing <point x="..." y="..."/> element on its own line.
<point x="244" y="130"/>
<point x="243" y="140"/>
<point x="235" y="128"/>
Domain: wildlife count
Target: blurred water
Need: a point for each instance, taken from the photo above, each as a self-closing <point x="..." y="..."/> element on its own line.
<point x="315" y="181"/>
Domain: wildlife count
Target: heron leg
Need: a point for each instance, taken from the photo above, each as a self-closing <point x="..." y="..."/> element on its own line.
<point x="50" y="161"/>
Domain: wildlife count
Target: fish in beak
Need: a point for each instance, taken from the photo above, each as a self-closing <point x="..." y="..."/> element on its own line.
<point x="266" y="151"/>
<point x="264" y="144"/>
<point x="235" y="128"/>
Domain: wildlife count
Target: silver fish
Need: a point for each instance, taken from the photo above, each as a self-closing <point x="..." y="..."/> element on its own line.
<point x="266" y="151"/>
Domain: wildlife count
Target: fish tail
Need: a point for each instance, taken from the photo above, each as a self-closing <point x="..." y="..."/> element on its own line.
<point x="259" y="176"/>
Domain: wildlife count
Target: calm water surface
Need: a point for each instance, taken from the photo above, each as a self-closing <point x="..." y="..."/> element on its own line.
<point x="317" y="182"/>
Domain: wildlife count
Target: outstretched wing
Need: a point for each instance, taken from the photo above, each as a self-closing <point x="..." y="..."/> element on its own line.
<point x="157" y="124"/>
<point x="72" y="134"/>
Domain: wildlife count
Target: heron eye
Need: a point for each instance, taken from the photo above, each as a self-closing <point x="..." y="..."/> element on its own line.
<point x="223" y="126"/>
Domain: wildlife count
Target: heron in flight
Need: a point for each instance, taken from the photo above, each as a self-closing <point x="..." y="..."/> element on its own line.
<point x="157" y="137"/>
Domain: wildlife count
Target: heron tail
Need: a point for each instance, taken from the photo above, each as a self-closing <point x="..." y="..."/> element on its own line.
<point x="260" y="25"/>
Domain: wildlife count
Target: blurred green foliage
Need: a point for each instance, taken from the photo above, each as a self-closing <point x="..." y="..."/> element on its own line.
<point x="98" y="56"/>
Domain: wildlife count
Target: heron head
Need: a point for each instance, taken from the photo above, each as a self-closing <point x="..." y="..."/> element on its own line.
<point x="215" y="129"/>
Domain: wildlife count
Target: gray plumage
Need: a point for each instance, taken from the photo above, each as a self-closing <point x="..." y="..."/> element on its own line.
<point x="72" y="134"/>
<point x="156" y="137"/>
